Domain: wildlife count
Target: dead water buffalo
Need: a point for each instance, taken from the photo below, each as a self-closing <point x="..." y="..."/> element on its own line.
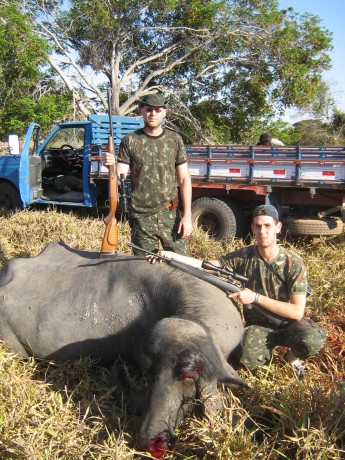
<point x="65" y="303"/>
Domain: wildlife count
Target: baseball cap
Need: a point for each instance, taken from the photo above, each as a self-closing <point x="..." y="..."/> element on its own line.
<point x="265" y="137"/>
<point x="155" y="100"/>
<point x="266" y="210"/>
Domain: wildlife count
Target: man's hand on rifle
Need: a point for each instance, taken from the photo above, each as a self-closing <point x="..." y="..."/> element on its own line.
<point x="178" y="258"/>
<point x="153" y="259"/>
<point x="246" y="296"/>
<point x="108" y="159"/>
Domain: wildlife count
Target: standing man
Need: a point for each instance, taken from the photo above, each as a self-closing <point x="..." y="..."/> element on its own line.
<point x="277" y="282"/>
<point x="157" y="161"/>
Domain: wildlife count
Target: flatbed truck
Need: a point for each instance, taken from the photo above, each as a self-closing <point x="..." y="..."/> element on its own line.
<point x="305" y="183"/>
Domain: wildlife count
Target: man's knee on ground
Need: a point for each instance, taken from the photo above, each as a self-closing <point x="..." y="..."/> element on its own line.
<point x="306" y="338"/>
<point x="256" y="347"/>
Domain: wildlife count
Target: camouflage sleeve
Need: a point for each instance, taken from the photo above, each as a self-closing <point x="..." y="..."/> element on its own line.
<point x="233" y="261"/>
<point x="124" y="155"/>
<point x="298" y="278"/>
<point x="181" y="156"/>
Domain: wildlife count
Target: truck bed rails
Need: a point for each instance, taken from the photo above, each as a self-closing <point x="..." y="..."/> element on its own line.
<point x="301" y="166"/>
<point x="287" y="166"/>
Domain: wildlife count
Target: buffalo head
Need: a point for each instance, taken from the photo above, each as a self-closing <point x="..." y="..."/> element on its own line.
<point x="185" y="365"/>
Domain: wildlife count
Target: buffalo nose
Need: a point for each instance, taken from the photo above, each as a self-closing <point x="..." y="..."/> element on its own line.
<point x="158" y="445"/>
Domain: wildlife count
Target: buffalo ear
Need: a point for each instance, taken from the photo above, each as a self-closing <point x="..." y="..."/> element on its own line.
<point x="231" y="377"/>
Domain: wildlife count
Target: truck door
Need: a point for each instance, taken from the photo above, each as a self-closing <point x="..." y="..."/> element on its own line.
<point x="63" y="165"/>
<point x="30" y="167"/>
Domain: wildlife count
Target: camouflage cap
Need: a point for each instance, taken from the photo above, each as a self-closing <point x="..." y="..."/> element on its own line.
<point x="265" y="210"/>
<point x="155" y="100"/>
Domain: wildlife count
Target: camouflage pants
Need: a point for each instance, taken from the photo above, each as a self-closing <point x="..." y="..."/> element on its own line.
<point x="305" y="338"/>
<point x="158" y="231"/>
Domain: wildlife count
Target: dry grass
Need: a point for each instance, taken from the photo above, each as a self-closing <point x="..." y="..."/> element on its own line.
<point x="54" y="410"/>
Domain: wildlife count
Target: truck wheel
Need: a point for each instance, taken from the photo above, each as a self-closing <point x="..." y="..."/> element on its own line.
<point x="313" y="226"/>
<point x="219" y="219"/>
<point x="9" y="199"/>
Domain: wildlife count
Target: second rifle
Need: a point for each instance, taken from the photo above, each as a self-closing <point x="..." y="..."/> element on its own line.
<point x="224" y="284"/>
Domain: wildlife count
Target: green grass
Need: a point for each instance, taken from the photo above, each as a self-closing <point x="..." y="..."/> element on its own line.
<point x="52" y="410"/>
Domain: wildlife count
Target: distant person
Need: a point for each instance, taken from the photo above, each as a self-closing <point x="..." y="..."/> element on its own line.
<point x="267" y="141"/>
<point x="157" y="161"/>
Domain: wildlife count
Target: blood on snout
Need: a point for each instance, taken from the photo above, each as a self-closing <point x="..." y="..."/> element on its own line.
<point x="158" y="446"/>
<point x="187" y="368"/>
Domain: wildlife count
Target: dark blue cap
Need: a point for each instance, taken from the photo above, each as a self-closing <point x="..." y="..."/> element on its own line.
<point x="266" y="210"/>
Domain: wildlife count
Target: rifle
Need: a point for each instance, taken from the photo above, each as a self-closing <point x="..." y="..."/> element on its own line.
<point x="224" y="284"/>
<point x="111" y="237"/>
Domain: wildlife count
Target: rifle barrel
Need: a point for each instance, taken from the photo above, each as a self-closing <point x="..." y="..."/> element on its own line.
<point x="225" y="285"/>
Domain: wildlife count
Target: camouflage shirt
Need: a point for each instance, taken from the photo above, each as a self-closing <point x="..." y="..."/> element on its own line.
<point x="278" y="279"/>
<point x="152" y="162"/>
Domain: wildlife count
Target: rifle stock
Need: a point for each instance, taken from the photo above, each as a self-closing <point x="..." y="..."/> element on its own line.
<point x="111" y="235"/>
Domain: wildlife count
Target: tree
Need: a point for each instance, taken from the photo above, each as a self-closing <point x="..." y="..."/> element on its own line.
<point x="338" y="127"/>
<point x="315" y="131"/>
<point x="324" y="123"/>
<point x="246" y="54"/>
<point x="25" y="93"/>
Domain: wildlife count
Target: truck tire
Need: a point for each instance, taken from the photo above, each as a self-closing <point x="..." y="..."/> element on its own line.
<point x="219" y="219"/>
<point x="9" y="198"/>
<point x="313" y="226"/>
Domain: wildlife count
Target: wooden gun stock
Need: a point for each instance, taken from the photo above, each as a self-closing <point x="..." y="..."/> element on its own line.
<point x="111" y="235"/>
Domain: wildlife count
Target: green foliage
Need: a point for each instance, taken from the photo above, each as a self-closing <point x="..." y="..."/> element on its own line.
<point x="246" y="58"/>
<point x="338" y="127"/>
<point x="276" y="128"/>
<point x="52" y="108"/>
<point x="224" y="129"/>
<point x="316" y="131"/>
<point x="46" y="110"/>
<point x="233" y="64"/>
<point x="338" y="119"/>
<point x="299" y="49"/>
<point x="263" y="76"/>
<point x="23" y="97"/>
<point x="21" y="52"/>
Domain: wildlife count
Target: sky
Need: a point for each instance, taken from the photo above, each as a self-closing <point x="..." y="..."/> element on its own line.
<point x="332" y="14"/>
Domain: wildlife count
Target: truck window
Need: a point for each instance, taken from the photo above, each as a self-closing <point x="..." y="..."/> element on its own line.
<point x="62" y="161"/>
<point x="73" y="136"/>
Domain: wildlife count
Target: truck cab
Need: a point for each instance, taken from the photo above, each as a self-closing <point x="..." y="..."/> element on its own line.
<point x="65" y="165"/>
<point x="65" y="168"/>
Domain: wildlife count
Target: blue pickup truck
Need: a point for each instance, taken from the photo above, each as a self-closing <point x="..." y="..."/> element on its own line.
<point x="306" y="184"/>
<point x="64" y="169"/>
